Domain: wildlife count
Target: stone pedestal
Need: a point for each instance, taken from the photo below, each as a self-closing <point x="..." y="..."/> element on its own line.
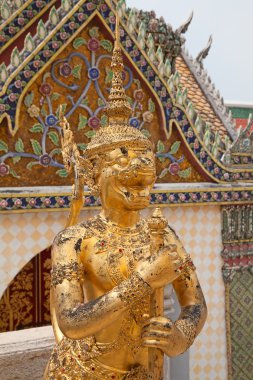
<point x="24" y="354"/>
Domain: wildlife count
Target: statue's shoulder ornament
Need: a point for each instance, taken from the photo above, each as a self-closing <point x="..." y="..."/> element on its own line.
<point x="69" y="234"/>
<point x="93" y="226"/>
<point x="77" y="233"/>
<point x="67" y="246"/>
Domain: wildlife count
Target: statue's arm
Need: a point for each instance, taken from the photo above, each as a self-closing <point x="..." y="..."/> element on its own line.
<point x="175" y="338"/>
<point x="192" y="302"/>
<point x="77" y="318"/>
<point x="193" y="311"/>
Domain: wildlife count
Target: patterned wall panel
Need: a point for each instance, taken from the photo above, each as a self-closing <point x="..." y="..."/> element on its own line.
<point x="241" y="325"/>
<point x="238" y="277"/>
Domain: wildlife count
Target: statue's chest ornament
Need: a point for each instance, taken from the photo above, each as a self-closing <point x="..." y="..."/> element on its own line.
<point x="121" y="262"/>
<point x="123" y="249"/>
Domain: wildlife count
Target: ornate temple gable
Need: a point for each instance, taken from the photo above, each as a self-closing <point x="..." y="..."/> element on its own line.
<point x="240" y="153"/>
<point x="60" y="65"/>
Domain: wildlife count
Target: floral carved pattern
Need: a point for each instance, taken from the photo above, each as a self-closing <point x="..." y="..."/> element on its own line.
<point x="26" y="301"/>
<point x="17" y="303"/>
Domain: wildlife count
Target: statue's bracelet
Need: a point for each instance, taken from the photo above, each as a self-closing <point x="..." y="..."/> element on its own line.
<point x="69" y="271"/>
<point x="188" y="329"/>
<point x="186" y="265"/>
<point x="134" y="289"/>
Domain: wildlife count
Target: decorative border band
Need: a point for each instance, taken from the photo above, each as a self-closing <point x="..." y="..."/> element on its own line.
<point x="48" y="201"/>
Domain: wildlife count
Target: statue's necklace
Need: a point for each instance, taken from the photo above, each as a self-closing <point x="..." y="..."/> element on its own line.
<point x="123" y="245"/>
<point x="124" y="252"/>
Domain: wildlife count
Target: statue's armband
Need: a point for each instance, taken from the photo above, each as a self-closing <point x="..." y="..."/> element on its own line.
<point x="69" y="271"/>
<point x="187" y="266"/>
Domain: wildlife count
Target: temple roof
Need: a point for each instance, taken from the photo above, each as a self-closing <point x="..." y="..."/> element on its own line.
<point x="145" y="25"/>
<point x="185" y="115"/>
<point x="202" y="92"/>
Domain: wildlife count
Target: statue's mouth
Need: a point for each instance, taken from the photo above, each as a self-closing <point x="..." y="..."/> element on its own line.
<point x="137" y="197"/>
<point x="134" y="196"/>
<point x="134" y="182"/>
<point x="137" y="192"/>
<point x="137" y="179"/>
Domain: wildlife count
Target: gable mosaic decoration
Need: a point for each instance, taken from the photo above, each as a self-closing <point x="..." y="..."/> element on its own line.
<point x="77" y="81"/>
<point x="66" y="75"/>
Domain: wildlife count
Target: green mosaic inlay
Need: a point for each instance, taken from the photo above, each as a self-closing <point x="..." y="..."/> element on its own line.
<point x="241" y="113"/>
<point x="241" y="314"/>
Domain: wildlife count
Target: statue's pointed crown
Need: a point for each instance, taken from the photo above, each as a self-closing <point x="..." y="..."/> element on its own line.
<point x="118" y="133"/>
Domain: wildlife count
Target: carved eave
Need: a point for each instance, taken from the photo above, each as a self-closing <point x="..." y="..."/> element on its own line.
<point x="18" y="16"/>
<point x="223" y="121"/>
<point x="165" y="48"/>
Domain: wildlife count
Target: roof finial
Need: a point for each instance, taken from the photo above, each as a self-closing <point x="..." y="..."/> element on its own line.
<point x="118" y="108"/>
<point x="117" y="31"/>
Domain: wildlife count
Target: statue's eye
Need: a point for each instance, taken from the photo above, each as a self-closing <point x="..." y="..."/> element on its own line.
<point x="124" y="150"/>
<point x="123" y="161"/>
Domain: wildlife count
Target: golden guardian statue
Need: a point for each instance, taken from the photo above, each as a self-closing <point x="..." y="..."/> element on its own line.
<point x="108" y="273"/>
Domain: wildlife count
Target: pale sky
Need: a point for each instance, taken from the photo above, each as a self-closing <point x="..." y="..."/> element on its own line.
<point x="230" y="60"/>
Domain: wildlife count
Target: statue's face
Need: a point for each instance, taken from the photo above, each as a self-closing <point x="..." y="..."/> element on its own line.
<point x="127" y="178"/>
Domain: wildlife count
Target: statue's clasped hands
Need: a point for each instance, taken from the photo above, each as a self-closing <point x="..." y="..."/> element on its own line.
<point x="162" y="333"/>
<point x="162" y="267"/>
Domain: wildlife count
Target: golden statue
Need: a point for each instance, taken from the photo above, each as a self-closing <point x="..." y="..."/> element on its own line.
<point x="108" y="272"/>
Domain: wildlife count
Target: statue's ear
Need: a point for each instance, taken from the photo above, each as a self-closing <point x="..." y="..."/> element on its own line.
<point x="89" y="171"/>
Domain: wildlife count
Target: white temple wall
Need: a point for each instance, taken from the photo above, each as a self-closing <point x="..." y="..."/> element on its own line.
<point x="23" y="235"/>
<point x="200" y="231"/>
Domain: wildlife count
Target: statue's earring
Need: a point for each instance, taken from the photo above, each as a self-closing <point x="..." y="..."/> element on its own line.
<point x="87" y="171"/>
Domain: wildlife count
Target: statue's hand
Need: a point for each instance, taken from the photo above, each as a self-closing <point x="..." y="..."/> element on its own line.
<point x="160" y="332"/>
<point x="161" y="268"/>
